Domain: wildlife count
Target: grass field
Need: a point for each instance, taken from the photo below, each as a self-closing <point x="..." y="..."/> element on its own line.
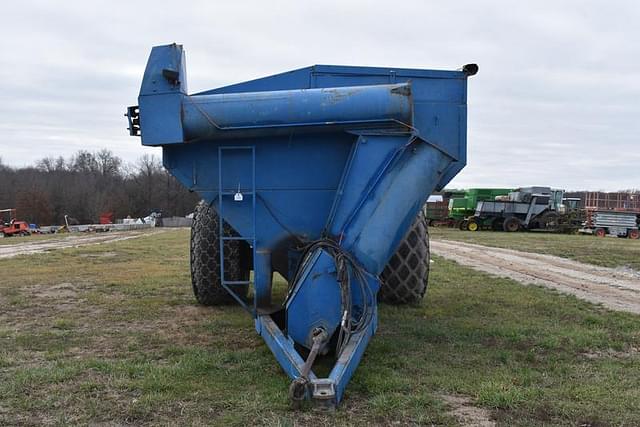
<point x="606" y="252"/>
<point x="110" y="334"/>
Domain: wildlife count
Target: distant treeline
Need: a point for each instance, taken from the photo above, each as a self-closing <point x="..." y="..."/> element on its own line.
<point x="89" y="183"/>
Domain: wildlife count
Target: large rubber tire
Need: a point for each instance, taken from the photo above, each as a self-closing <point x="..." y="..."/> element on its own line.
<point x="511" y="224"/>
<point x="205" y="259"/>
<point x="404" y="279"/>
<point x="549" y="221"/>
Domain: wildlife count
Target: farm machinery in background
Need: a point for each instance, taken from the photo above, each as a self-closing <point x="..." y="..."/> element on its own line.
<point x="537" y="208"/>
<point x="10" y="226"/>
<point x="437" y="207"/>
<point x="527" y="208"/>
<point x="461" y="208"/>
<point x="602" y="223"/>
<point x="612" y="214"/>
<point x="451" y="207"/>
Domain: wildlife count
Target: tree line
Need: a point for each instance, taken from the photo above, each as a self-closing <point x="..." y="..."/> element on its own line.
<point x="87" y="184"/>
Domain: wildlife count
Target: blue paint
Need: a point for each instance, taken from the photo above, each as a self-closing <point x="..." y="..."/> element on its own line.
<point x="280" y="346"/>
<point x="337" y="154"/>
<point x="315" y="301"/>
<point x="348" y="361"/>
<point x="237" y="114"/>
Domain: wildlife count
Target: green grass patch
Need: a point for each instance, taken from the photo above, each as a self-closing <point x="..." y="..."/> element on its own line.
<point x="124" y="343"/>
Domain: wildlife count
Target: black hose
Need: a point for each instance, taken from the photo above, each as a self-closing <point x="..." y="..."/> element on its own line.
<point x="345" y="264"/>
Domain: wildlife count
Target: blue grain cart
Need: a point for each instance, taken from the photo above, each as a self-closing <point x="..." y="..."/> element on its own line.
<point x="318" y="174"/>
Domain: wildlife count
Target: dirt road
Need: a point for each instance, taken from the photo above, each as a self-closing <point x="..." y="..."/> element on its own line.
<point x="617" y="289"/>
<point x="26" y="247"/>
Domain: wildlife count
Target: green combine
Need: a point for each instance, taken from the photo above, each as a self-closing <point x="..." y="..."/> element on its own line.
<point x="461" y="208"/>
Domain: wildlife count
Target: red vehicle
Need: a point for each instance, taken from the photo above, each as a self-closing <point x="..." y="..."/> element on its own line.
<point x="10" y="226"/>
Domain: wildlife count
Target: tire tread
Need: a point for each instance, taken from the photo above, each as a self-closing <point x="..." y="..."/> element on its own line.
<point x="405" y="278"/>
<point x="205" y="259"/>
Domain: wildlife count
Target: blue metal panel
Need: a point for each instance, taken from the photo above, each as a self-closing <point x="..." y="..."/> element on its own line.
<point x="348" y="361"/>
<point x="165" y="71"/>
<point x="396" y="199"/>
<point x="334" y="76"/>
<point x="294" y="79"/>
<point x="287" y="194"/>
<point x="315" y="301"/>
<point x="360" y="177"/>
<point x="161" y="119"/>
<point x="370" y="199"/>
<point x="163" y="86"/>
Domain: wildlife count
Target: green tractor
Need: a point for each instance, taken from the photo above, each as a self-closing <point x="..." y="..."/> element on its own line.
<point x="461" y="208"/>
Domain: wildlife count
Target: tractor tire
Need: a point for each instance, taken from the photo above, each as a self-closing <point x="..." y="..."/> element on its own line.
<point x="463" y="225"/>
<point x="633" y="234"/>
<point x="600" y="232"/>
<point x="404" y="279"/>
<point x="549" y="221"/>
<point x="511" y="224"/>
<point x="472" y="225"/>
<point x="205" y="259"/>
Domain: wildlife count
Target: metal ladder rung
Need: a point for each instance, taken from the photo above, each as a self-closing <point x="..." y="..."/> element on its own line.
<point x="251" y="193"/>
<point x="237" y="147"/>
<point x="233" y="193"/>
<point x="237" y="238"/>
<point x="236" y="282"/>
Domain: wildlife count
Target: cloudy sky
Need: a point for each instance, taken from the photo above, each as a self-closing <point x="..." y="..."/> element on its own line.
<point x="556" y="101"/>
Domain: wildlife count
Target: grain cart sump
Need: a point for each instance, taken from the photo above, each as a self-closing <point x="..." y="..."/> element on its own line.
<point x="316" y="173"/>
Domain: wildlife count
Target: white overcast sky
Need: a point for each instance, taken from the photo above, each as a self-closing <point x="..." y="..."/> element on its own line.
<point x="556" y="101"/>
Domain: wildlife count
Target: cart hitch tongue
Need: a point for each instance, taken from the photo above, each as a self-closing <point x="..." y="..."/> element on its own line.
<point x="299" y="388"/>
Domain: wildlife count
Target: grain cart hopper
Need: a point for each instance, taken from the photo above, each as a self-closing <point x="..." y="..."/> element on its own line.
<point x="316" y="173"/>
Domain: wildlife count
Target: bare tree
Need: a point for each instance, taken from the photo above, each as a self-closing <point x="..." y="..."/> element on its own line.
<point x="88" y="184"/>
<point x="84" y="161"/>
<point x="46" y="164"/>
<point x="108" y="163"/>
